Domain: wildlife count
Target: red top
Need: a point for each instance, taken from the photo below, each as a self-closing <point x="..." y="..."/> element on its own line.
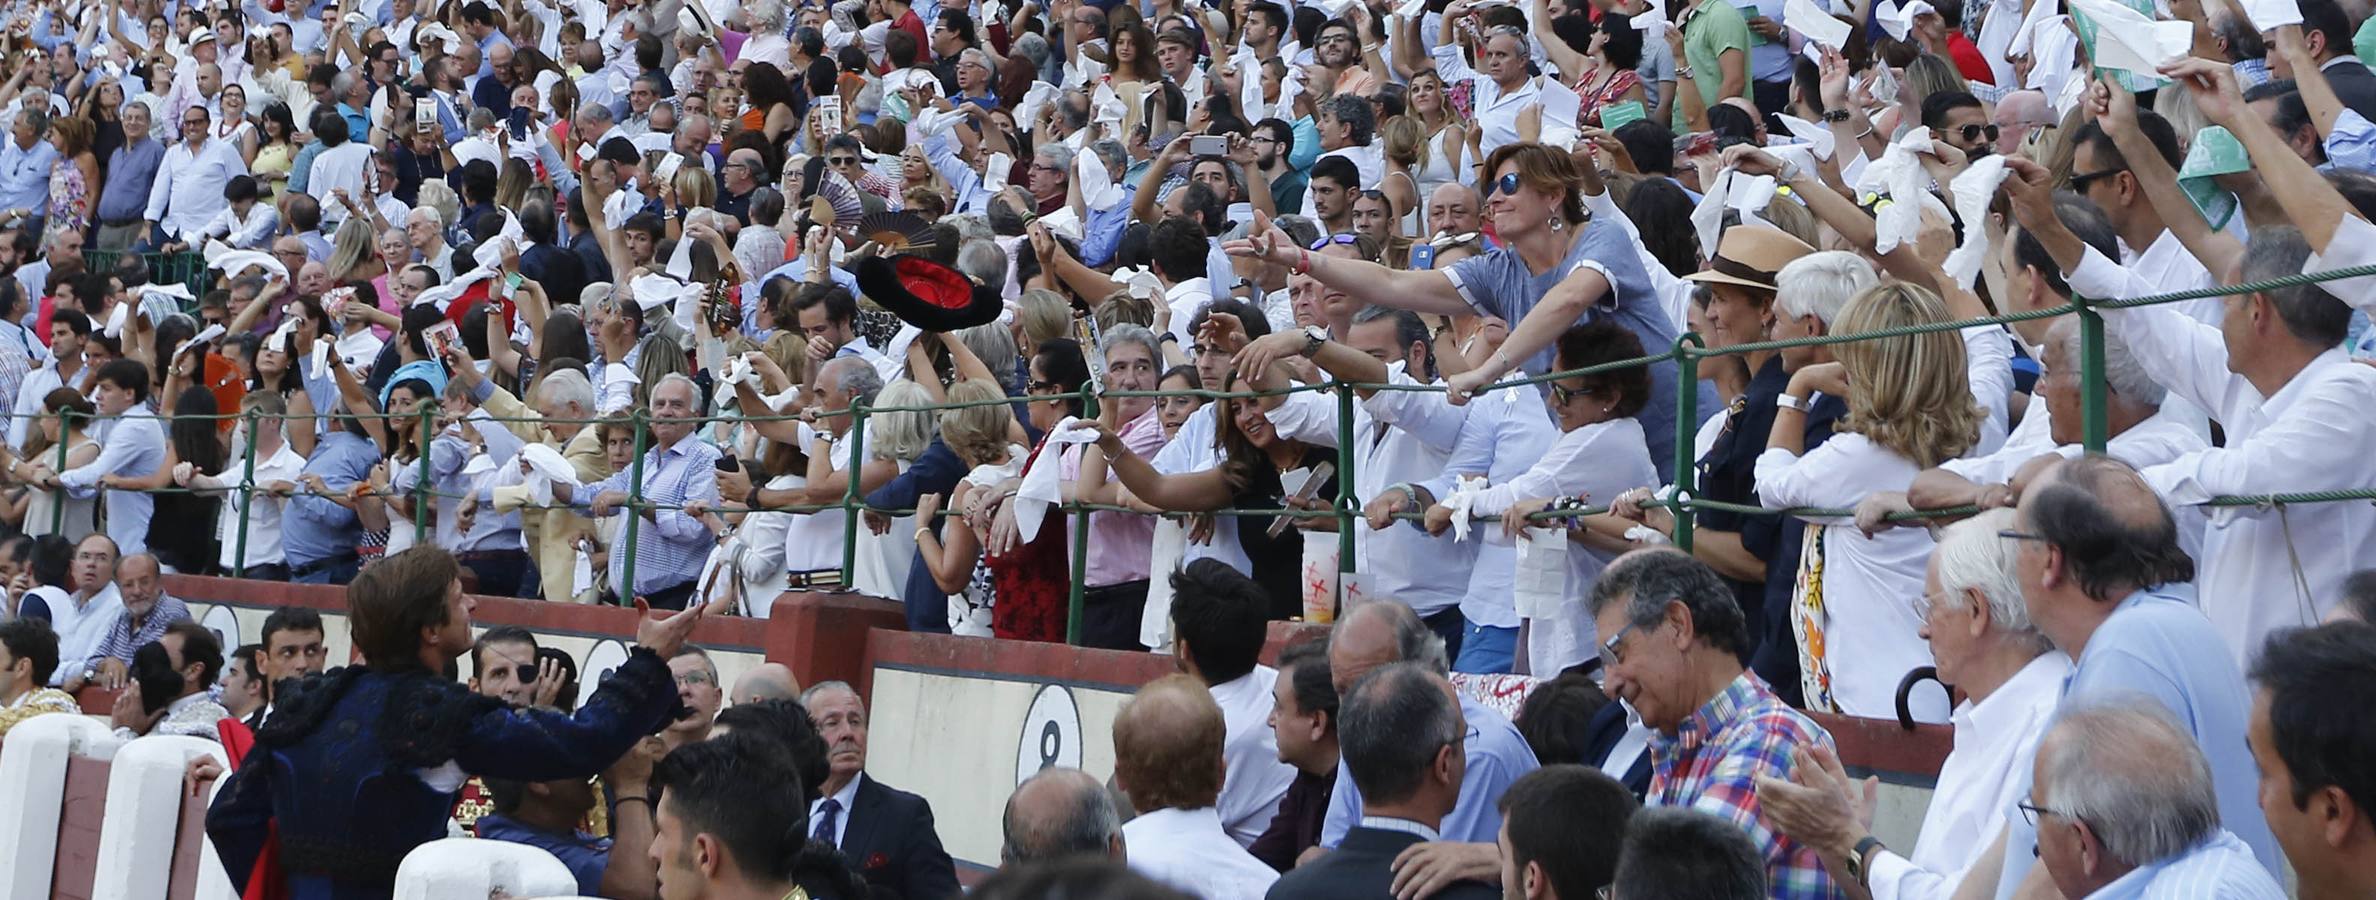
<point x="1969" y="60"/>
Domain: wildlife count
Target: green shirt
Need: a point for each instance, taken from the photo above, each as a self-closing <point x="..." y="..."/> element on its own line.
<point x="1710" y="30"/>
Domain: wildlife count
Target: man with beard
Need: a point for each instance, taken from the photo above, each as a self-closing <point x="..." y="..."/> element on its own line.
<point x="887" y="832"/>
<point x="1273" y="140"/>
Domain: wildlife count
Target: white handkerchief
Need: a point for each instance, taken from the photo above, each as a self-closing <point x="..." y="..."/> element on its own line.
<point x="994" y="173"/>
<point x="1707" y="219"/>
<point x="1899" y="174"/>
<point x="2127" y="40"/>
<point x="1972" y="191"/>
<point x="621" y="206"/>
<point x="1464" y="494"/>
<point x="1041" y="486"/>
<point x="1816" y="23"/>
<point x="581" y="573"/>
<point x="1139" y="280"/>
<point x="220" y="255"/>
<point x="898" y="347"/>
<point x="1560" y="107"/>
<point x="1040" y="94"/>
<point x="1063" y="221"/>
<point x="1817" y="138"/>
<point x="1540" y="576"/>
<point x="1335" y="9"/>
<point x="1899" y="20"/>
<point x="547" y="462"/>
<point x="668" y="167"/>
<point x="1098" y="190"/>
<point x="2268" y="15"/>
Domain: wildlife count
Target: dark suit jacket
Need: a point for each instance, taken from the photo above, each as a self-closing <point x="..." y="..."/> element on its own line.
<point x="1362" y="868"/>
<point x="891" y="840"/>
<point x="2355" y="86"/>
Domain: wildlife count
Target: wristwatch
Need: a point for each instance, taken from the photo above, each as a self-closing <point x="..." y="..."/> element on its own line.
<point x="1804" y="405"/>
<point x="1836" y="115"/>
<point x="1314" y="336"/>
<point x="1860" y="859"/>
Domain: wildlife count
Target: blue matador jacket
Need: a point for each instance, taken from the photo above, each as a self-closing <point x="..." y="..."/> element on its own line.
<point x="340" y="766"/>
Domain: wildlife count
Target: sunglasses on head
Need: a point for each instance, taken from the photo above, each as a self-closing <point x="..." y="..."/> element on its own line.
<point x="1507" y="184"/>
<point x="1324" y="243"/>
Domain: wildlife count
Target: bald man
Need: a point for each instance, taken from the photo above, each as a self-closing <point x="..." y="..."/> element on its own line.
<point x="766" y="681"/>
<point x="2016" y="114"/>
<point x="1167" y="757"/>
<point x="1376" y="634"/>
<point x="1059" y="813"/>
<point x="1453" y="209"/>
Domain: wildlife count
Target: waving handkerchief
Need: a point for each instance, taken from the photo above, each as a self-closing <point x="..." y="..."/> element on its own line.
<point x="1898" y="20"/>
<point x="1817" y="137"/>
<point x="1973" y="190"/>
<point x="2269" y="15"/>
<point x="1140" y="281"/>
<point x="621" y="205"/>
<point x="1098" y="190"/>
<point x="1707" y="219"/>
<point x="1465" y="489"/>
<point x="220" y="255"/>
<point x="1899" y="174"/>
<point x="1816" y="23"/>
<point x="2118" y="37"/>
<point x="1041" y="486"/>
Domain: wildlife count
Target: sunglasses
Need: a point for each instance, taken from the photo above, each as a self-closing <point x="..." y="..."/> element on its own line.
<point x="1043" y="387"/>
<point x="1324" y="243"/>
<point x="1972" y="133"/>
<point x="1507" y="184"/>
<point x="841" y="160"/>
<point x="1561" y="395"/>
<point x="2079" y="183"/>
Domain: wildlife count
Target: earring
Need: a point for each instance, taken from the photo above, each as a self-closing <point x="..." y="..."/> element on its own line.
<point x="1557" y="224"/>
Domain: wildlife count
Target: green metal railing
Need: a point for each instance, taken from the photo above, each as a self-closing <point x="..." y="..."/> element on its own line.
<point x="1685" y="354"/>
<point x="186" y="268"/>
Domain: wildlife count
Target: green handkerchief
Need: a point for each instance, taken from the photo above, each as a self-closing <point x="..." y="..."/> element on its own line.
<point x="1619" y="115"/>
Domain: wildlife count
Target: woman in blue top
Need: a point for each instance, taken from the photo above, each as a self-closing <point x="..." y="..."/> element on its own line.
<point x="1549" y="272"/>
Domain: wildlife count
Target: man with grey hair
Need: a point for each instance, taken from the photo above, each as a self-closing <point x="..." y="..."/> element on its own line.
<point x="1120" y="544"/>
<point x="593" y="124"/>
<point x="2291" y="403"/>
<point x="1051" y="176"/>
<point x="678" y="468"/>
<point x="564" y="399"/>
<point x="1401" y="730"/>
<point x="2141" y="435"/>
<point x="2121" y="795"/>
<point x="1494" y="754"/>
<point x="1982" y="640"/>
<point x="1671" y="644"/>
<point x="1059" y="813"/>
<point x="888" y="832"/>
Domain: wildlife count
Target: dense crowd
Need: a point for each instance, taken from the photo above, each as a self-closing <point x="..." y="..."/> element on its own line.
<point x="622" y="302"/>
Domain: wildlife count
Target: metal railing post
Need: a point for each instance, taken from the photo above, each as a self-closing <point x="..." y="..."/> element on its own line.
<point x="58" y="497"/>
<point x="1077" y="596"/>
<point x="626" y="586"/>
<point x="850" y="504"/>
<point x="2094" y="413"/>
<point x="423" y="501"/>
<point x="247" y="500"/>
<point x="1346" y="555"/>
<point x="1686" y="430"/>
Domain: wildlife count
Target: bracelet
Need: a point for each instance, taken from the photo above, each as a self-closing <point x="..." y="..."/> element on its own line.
<point x="921" y="532"/>
<point x="633" y="798"/>
<point x="752" y="500"/>
<point x="1303" y="261"/>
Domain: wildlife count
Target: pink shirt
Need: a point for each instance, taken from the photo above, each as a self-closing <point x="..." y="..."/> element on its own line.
<point x="1121" y="545"/>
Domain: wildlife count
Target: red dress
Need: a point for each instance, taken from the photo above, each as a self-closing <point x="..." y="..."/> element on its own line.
<point x="1033" y="583"/>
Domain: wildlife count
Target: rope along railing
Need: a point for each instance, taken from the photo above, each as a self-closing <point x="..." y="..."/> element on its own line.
<point x="1685" y="354"/>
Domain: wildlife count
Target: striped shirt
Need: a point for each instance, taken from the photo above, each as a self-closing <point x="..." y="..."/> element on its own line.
<point x="122" y="640"/>
<point x="670" y="547"/>
<point x="2219" y="868"/>
<point x="1711" y="764"/>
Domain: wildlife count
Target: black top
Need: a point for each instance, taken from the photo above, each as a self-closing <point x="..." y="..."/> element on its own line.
<point x="1729" y="473"/>
<point x="1362" y="868"/>
<point x="1278" y="561"/>
<point x="891" y="839"/>
<point x="1296" y="828"/>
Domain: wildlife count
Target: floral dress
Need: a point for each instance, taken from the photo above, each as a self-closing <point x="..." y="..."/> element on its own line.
<point x="69" y="199"/>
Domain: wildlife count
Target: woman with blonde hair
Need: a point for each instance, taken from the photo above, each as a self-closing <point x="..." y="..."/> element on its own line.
<point x="1443" y="154"/>
<point x="1045" y="316"/>
<point x="511" y="186"/>
<point x="1910" y="407"/>
<point x="1405" y="142"/>
<point x="897" y="435"/>
<point x="693" y="188"/>
<point x="976" y="429"/>
<point x="354" y="253"/>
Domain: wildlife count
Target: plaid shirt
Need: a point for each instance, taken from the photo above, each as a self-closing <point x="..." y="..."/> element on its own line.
<point x="1711" y="764"/>
<point x="121" y="641"/>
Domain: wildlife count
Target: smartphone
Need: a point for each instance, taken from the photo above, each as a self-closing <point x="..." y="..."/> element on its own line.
<point x="1422" y="256"/>
<point x="729" y="464"/>
<point x="519" y="123"/>
<point x="424" y="114"/>
<point x="1209" y="145"/>
<point x="830" y="109"/>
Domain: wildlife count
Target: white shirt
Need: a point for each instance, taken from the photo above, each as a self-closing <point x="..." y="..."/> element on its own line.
<point x="339" y="167"/>
<point x="1256" y="778"/>
<point x="2171" y="268"/>
<point x="38" y="384"/>
<point x="1368" y="159"/>
<point x="1496" y="112"/>
<point x="264" y="527"/>
<point x="1192" y="450"/>
<point x="244" y="233"/>
<point x="755" y="554"/>
<point x="1400" y="437"/>
<point x="80" y="629"/>
<point x="890" y="369"/>
<point x="2220" y="867"/>
<point x="1987" y="772"/>
<point x="1186" y="299"/>
<point x="1603" y="459"/>
<point x="841" y="816"/>
<point x="2260" y="569"/>
<point x="132" y="447"/>
<point x="1988" y="358"/>
<point x="189" y="186"/>
<point x="1869" y="583"/>
<point x="1186" y="849"/>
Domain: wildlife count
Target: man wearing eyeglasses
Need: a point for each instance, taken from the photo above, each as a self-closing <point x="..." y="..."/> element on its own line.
<point x="740" y="176"/>
<point x="697" y="688"/>
<point x="2123" y="805"/>
<point x="1672" y="638"/>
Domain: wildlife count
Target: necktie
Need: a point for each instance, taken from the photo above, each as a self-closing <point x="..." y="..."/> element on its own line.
<point x="826" y="815"/>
